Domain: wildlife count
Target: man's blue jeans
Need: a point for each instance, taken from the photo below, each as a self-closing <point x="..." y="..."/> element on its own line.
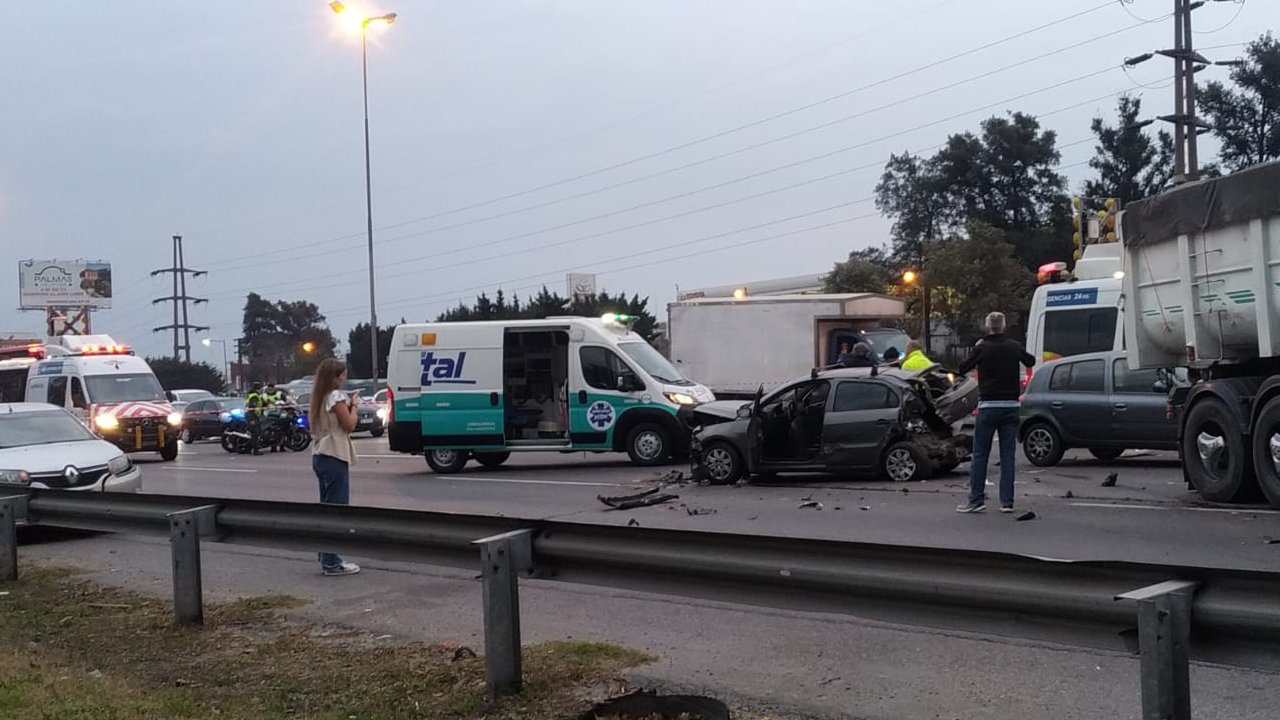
<point x="990" y="421"/>
<point x="335" y="488"/>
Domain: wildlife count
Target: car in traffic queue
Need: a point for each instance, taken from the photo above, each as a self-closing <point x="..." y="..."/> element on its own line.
<point x="204" y="419"/>
<point x="1097" y="402"/>
<point x="368" y="417"/>
<point x="899" y="424"/>
<point x="43" y="446"/>
<point x="110" y="389"/>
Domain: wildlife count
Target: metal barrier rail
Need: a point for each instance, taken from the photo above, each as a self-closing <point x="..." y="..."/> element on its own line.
<point x="1226" y="609"/>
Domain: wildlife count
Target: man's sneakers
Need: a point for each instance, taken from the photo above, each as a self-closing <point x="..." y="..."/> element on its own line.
<point x="1006" y="507"/>
<point x="971" y="507"/>
<point x="345" y="568"/>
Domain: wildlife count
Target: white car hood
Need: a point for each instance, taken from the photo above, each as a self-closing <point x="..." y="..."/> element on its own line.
<point x="56" y="456"/>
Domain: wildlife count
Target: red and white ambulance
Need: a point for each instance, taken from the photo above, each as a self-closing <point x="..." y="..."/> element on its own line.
<point x="114" y="392"/>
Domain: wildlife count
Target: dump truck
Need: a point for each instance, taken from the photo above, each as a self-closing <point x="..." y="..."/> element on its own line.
<point x="1202" y="291"/>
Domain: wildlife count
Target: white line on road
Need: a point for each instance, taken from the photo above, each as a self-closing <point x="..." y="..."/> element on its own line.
<point x="1249" y="511"/>
<point x="207" y="469"/>
<point x="472" y="478"/>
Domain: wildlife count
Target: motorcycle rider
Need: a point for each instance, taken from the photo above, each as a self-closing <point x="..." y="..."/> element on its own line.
<point x="272" y="399"/>
<point x="254" y="403"/>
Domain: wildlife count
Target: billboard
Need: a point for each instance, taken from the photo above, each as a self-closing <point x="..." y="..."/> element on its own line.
<point x="63" y="283"/>
<point x="581" y="286"/>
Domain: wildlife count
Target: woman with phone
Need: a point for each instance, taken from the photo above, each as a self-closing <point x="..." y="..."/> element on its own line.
<point x="332" y="418"/>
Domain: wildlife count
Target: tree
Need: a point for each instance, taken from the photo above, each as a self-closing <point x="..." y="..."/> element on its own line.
<point x="1247" y="119"/>
<point x="182" y="375"/>
<point x="867" y="270"/>
<point x="274" y="336"/>
<point x="358" y="342"/>
<point x="974" y="274"/>
<point x="1130" y="164"/>
<point x="548" y="304"/>
<point x="910" y="192"/>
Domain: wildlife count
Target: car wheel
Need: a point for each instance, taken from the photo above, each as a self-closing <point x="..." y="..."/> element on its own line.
<point x="1266" y="451"/>
<point x="169" y="452"/>
<point x="722" y="463"/>
<point x="447" y="462"/>
<point x="489" y="459"/>
<point x="904" y="462"/>
<point x="1042" y="445"/>
<point x="1214" y="454"/>
<point x="186" y="437"/>
<point x="377" y="432"/>
<point x="1106" y="454"/>
<point x="648" y="444"/>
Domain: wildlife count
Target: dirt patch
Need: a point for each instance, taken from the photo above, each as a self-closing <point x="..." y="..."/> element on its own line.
<point x="70" y="649"/>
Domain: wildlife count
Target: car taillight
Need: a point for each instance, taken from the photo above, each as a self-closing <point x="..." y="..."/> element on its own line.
<point x="391" y="406"/>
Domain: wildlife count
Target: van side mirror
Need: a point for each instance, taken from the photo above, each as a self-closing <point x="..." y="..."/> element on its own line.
<point x="627" y="383"/>
<point x="744" y="412"/>
<point x="1160" y="386"/>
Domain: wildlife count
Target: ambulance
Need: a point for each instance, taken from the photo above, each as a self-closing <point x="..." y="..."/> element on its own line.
<point x="1081" y="311"/>
<point x="111" y="390"/>
<point x="483" y="390"/>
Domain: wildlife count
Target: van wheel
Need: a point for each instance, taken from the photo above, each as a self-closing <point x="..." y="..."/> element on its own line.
<point x="447" y="462"/>
<point x="169" y="452"/>
<point x="492" y="459"/>
<point x="648" y="444"/>
<point x="1266" y="451"/>
<point x="1214" y="454"/>
<point x="904" y="462"/>
<point x="1042" y="445"/>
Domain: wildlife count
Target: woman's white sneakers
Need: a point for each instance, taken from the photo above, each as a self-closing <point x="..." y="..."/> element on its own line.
<point x="345" y="568"/>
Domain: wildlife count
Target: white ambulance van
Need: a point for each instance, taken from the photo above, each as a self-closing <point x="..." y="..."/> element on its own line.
<point x="1079" y="312"/>
<point x="483" y="390"/>
<point x="114" y="392"/>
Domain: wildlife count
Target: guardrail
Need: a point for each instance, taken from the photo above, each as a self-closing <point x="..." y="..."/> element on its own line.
<point x="1228" y="610"/>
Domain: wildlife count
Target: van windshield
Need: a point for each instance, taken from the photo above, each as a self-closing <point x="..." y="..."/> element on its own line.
<point x="652" y="362"/>
<point x="126" y="387"/>
<point x="1076" y="332"/>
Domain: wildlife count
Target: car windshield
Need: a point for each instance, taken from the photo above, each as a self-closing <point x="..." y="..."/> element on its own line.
<point x="20" y="429"/>
<point x="227" y="405"/>
<point x="652" y="362"/>
<point x="124" y="388"/>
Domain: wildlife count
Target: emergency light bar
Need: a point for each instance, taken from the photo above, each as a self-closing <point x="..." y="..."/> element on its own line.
<point x="1052" y="272"/>
<point x="105" y="350"/>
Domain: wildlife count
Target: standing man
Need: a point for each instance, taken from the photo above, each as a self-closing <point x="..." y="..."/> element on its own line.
<point x="999" y="384"/>
<point x="916" y="359"/>
<point x="253" y="404"/>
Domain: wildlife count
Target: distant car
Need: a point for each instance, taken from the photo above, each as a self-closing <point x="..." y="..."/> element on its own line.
<point x="1096" y="402"/>
<point x="188" y="396"/>
<point x="44" y="446"/>
<point x="897" y="423"/>
<point x="204" y="419"/>
<point x="368" y="417"/>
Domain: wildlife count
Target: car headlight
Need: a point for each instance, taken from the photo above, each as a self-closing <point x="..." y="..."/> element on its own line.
<point x="174" y="418"/>
<point x="106" y="422"/>
<point x="14" y="477"/>
<point x="682" y="398"/>
<point x="382" y="414"/>
<point x="119" y="465"/>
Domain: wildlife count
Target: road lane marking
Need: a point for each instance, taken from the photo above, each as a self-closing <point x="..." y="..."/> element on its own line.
<point x="207" y="469"/>
<point x="1250" y="511"/>
<point x="515" y="481"/>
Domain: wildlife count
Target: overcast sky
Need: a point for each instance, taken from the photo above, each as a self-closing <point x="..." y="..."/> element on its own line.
<point x="514" y="141"/>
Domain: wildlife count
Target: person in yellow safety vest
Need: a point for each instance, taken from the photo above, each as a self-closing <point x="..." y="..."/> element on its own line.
<point x="915" y="359"/>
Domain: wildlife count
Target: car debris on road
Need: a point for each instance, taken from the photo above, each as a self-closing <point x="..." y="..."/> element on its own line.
<point x="644" y="498"/>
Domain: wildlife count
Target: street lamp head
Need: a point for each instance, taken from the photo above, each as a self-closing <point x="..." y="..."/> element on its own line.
<point x="206" y="342"/>
<point x="909" y="277"/>
<point x="384" y="19"/>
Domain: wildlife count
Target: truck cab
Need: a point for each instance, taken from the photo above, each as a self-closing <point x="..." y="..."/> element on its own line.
<point x="108" y="388"/>
<point x="482" y="390"/>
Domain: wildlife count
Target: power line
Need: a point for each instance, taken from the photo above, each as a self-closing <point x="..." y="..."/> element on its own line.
<point x="1225" y="25"/>
<point x="730" y="131"/>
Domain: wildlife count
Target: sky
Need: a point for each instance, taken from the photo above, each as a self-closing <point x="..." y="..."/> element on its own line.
<point x="662" y="144"/>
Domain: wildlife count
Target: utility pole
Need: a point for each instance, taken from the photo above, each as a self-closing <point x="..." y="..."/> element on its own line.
<point x="1186" y="63"/>
<point x="181" y="326"/>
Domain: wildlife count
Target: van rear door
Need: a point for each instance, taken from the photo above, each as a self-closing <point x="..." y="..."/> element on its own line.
<point x="459" y="376"/>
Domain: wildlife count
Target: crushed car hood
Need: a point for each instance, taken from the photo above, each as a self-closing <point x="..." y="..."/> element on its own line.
<point x="717" y="411"/>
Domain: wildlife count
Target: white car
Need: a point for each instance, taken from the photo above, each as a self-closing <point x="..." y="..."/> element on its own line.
<point x="44" y="446"/>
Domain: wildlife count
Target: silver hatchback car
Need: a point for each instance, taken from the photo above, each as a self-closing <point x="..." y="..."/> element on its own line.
<point x="1096" y="402"/>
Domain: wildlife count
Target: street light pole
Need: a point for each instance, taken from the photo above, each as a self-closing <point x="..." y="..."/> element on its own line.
<point x="226" y="366"/>
<point x="368" y="177"/>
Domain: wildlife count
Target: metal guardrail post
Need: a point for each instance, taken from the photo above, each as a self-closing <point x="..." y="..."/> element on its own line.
<point x="185" y="529"/>
<point x="11" y="508"/>
<point x="1164" y="639"/>
<point x="502" y="557"/>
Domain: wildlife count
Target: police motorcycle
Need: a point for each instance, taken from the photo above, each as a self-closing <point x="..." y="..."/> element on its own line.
<point x="282" y="425"/>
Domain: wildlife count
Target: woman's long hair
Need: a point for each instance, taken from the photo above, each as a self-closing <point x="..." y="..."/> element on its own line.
<point x="327" y="374"/>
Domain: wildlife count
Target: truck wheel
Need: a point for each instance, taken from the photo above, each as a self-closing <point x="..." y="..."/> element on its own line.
<point x="1042" y="445"/>
<point x="1214" y="453"/>
<point x="1266" y="451"/>
<point x="1106" y="454"/>
<point x="492" y="459"/>
<point x="648" y="444"/>
<point x="169" y="452"/>
<point x="904" y="462"/>
<point x="447" y="462"/>
<point x="722" y="463"/>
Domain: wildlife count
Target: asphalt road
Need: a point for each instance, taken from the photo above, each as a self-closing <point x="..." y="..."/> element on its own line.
<point x="1149" y="516"/>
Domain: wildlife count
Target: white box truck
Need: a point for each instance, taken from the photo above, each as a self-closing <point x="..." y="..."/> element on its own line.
<point x="735" y="345"/>
<point x="1202" y="288"/>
